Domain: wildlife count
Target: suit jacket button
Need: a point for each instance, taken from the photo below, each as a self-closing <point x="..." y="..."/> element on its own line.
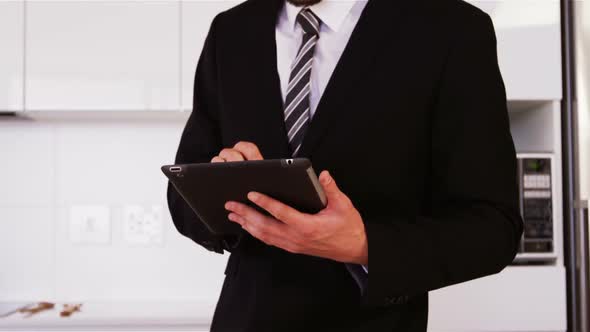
<point x="393" y="300"/>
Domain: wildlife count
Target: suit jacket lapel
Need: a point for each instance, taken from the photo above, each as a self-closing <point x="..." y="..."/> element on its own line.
<point x="374" y="24"/>
<point x="262" y="62"/>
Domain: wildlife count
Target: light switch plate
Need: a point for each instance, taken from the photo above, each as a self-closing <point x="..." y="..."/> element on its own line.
<point x="143" y="225"/>
<point x="90" y="224"/>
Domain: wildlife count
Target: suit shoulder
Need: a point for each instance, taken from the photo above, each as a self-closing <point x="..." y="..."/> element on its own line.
<point x="239" y="9"/>
<point x="243" y="11"/>
<point x="467" y="12"/>
<point x="447" y="23"/>
<point x="457" y="17"/>
<point x="456" y="10"/>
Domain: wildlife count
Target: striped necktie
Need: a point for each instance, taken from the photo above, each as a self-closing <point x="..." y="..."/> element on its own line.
<point x="297" y="114"/>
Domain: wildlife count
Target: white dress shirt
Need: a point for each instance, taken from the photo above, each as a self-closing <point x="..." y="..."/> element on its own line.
<point x="338" y="20"/>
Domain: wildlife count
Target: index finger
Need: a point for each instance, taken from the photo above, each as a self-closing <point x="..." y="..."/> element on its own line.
<point x="277" y="209"/>
<point x="249" y="150"/>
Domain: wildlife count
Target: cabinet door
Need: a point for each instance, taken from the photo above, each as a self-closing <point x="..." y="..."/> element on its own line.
<point x="520" y="298"/>
<point x="11" y="55"/>
<point x="196" y="21"/>
<point x="95" y="55"/>
<point x="529" y="46"/>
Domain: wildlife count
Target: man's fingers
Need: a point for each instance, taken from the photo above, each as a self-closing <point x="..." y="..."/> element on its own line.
<point x="217" y="159"/>
<point x="279" y="210"/>
<point x="231" y="155"/>
<point x="248" y="150"/>
<point x="264" y="231"/>
<point x="244" y="211"/>
<point x="240" y="152"/>
<point x="260" y="226"/>
<point x="237" y="218"/>
<point x="333" y="193"/>
<point x="328" y="183"/>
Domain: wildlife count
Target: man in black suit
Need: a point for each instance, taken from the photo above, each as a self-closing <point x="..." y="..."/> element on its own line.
<point x="404" y="104"/>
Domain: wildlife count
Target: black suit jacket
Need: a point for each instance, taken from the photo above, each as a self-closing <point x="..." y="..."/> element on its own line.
<point x="414" y="128"/>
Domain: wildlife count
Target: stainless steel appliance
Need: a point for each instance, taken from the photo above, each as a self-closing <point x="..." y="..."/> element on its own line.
<point x="536" y="204"/>
<point x="576" y="158"/>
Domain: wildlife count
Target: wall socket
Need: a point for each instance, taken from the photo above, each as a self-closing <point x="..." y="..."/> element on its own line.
<point x="143" y="225"/>
<point x="90" y="224"/>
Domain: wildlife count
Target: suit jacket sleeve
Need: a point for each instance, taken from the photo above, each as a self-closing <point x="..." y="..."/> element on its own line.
<point x="475" y="227"/>
<point x="200" y="141"/>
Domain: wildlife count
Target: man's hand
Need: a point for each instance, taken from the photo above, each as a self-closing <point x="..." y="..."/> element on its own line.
<point x="337" y="232"/>
<point x="240" y="152"/>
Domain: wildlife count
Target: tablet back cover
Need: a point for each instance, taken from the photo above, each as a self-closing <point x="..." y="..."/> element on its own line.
<point x="206" y="187"/>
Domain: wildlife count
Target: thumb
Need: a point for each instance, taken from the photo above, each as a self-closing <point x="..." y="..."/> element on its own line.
<point x="333" y="193"/>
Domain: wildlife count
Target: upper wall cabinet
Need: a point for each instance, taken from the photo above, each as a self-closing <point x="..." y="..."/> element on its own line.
<point x="95" y="55"/>
<point x="529" y="46"/>
<point x="11" y="55"/>
<point x="196" y="21"/>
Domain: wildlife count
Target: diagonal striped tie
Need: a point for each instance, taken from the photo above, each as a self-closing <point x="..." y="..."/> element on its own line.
<point x="297" y="100"/>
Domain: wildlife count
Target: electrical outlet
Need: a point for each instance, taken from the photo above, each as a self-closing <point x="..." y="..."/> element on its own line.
<point x="142" y="225"/>
<point x="90" y="224"/>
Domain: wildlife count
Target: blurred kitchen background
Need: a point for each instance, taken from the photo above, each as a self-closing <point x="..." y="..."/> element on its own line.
<point x="94" y="96"/>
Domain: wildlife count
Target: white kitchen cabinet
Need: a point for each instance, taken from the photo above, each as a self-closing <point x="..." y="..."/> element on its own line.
<point x="196" y="21"/>
<point x="520" y="298"/>
<point x="529" y="46"/>
<point x="528" y="33"/>
<point x="11" y="55"/>
<point x="95" y="55"/>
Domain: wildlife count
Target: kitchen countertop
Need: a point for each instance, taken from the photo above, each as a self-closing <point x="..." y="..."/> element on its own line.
<point x="121" y="316"/>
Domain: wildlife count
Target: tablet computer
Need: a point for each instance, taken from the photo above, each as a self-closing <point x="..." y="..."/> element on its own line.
<point x="207" y="187"/>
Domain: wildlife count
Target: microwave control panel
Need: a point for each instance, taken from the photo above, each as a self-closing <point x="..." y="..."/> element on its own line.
<point x="536" y="204"/>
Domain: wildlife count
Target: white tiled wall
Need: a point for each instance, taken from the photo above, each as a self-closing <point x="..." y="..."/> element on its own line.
<point x="51" y="165"/>
<point x="27" y="253"/>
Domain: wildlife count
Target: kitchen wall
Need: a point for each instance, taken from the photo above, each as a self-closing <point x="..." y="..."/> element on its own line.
<point x="69" y="187"/>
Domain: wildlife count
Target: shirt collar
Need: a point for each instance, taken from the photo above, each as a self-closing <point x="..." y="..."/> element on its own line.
<point x="332" y="13"/>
